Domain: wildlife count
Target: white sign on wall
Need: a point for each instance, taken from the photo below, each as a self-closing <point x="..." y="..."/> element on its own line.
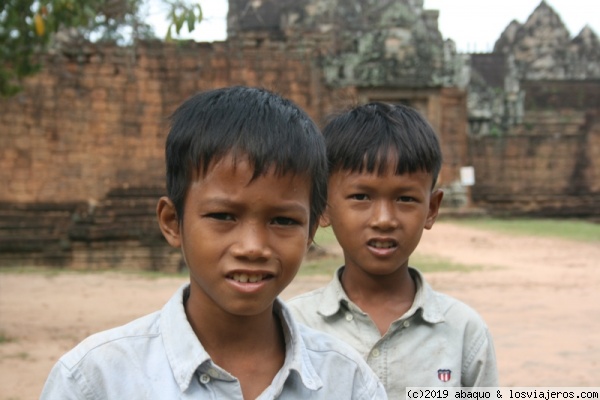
<point x="467" y="176"/>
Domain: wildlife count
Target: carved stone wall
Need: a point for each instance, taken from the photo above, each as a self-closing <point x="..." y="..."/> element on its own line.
<point x="539" y="173"/>
<point x="80" y="129"/>
<point x="364" y="43"/>
<point x="81" y="148"/>
<point x="541" y="49"/>
<point x="534" y="110"/>
<point x="549" y="163"/>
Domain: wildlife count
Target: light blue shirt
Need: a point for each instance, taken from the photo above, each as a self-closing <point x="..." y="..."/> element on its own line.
<point x="160" y="357"/>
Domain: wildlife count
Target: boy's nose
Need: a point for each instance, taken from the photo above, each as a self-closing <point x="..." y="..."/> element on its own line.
<point x="384" y="216"/>
<point x="252" y="244"/>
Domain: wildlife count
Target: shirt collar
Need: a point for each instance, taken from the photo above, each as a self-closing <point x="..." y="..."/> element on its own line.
<point x="184" y="351"/>
<point x="425" y="300"/>
<point x="296" y="355"/>
<point x="186" y="354"/>
<point x="334" y="297"/>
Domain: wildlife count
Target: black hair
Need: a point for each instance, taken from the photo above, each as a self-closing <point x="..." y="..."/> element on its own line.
<point x="268" y="129"/>
<point x="367" y="138"/>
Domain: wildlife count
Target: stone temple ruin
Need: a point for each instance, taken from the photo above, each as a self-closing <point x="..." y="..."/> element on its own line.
<point x="81" y="148"/>
<point x="538" y="53"/>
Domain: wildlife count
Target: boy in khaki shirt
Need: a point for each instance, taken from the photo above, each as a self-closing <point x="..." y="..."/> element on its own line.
<point x="384" y="162"/>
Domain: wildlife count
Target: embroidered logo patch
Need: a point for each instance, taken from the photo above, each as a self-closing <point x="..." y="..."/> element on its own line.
<point x="444" y="375"/>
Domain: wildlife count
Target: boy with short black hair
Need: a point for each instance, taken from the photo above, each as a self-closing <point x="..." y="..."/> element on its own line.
<point x="246" y="184"/>
<point x="384" y="161"/>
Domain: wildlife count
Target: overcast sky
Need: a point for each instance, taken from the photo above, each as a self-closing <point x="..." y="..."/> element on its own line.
<point x="474" y="25"/>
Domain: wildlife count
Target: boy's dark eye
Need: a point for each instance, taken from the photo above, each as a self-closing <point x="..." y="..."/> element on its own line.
<point x="406" y="199"/>
<point x="221" y="216"/>
<point x="284" y="221"/>
<point x="359" y="196"/>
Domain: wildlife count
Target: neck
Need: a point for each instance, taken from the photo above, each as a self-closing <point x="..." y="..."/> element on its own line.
<point x="223" y="333"/>
<point x="384" y="298"/>
<point x="363" y="288"/>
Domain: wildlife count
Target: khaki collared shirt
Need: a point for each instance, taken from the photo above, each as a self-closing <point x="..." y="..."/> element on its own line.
<point x="439" y="341"/>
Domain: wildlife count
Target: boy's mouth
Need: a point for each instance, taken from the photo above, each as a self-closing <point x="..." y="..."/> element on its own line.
<point x="382" y="244"/>
<point x="247" y="278"/>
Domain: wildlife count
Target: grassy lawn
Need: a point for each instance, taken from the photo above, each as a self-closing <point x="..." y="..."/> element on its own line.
<point x="577" y="230"/>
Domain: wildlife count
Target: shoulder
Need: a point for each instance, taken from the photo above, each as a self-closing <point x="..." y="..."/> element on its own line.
<point x="458" y="322"/>
<point x="119" y="341"/>
<point x="463" y="329"/>
<point x="456" y="311"/>
<point x="440" y="307"/>
<point x="123" y="362"/>
<point x="326" y="351"/>
<point x="314" y="308"/>
<point x="338" y="364"/>
<point x="310" y="299"/>
<point x="320" y="342"/>
<point x="316" y="349"/>
<point x="324" y="300"/>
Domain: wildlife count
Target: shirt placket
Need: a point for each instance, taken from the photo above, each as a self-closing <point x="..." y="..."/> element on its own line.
<point x="219" y="384"/>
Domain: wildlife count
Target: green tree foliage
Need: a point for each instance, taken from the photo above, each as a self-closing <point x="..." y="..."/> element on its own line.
<point x="28" y="28"/>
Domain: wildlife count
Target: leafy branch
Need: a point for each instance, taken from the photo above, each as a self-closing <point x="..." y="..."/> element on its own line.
<point x="29" y="27"/>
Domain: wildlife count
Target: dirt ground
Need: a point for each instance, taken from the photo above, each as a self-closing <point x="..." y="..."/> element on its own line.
<point x="540" y="298"/>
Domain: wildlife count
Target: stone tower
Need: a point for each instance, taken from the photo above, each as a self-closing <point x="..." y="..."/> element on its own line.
<point x="368" y="43"/>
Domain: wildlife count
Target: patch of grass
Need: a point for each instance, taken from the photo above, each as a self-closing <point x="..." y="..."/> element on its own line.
<point x="324" y="237"/>
<point x="155" y="274"/>
<point x="328" y="264"/>
<point x="30" y="270"/>
<point x="576" y="230"/>
<point x="52" y="272"/>
<point x="320" y="266"/>
<point x="22" y="355"/>
<point x="4" y="338"/>
<point x="425" y="263"/>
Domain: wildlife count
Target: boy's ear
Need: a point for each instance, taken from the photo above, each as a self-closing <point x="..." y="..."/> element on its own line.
<point x="311" y="235"/>
<point x="324" y="221"/>
<point x="168" y="221"/>
<point x="434" y="207"/>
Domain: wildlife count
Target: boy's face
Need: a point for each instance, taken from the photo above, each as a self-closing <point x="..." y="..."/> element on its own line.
<point x="379" y="219"/>
<point x="243" y="241"/>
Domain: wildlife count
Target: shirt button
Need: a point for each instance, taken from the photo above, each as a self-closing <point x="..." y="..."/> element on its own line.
<point x="349" y="317"/>
<point x="375" y="353"/>
<point x="406" y="324"/>
<point x="204" y="378"/>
